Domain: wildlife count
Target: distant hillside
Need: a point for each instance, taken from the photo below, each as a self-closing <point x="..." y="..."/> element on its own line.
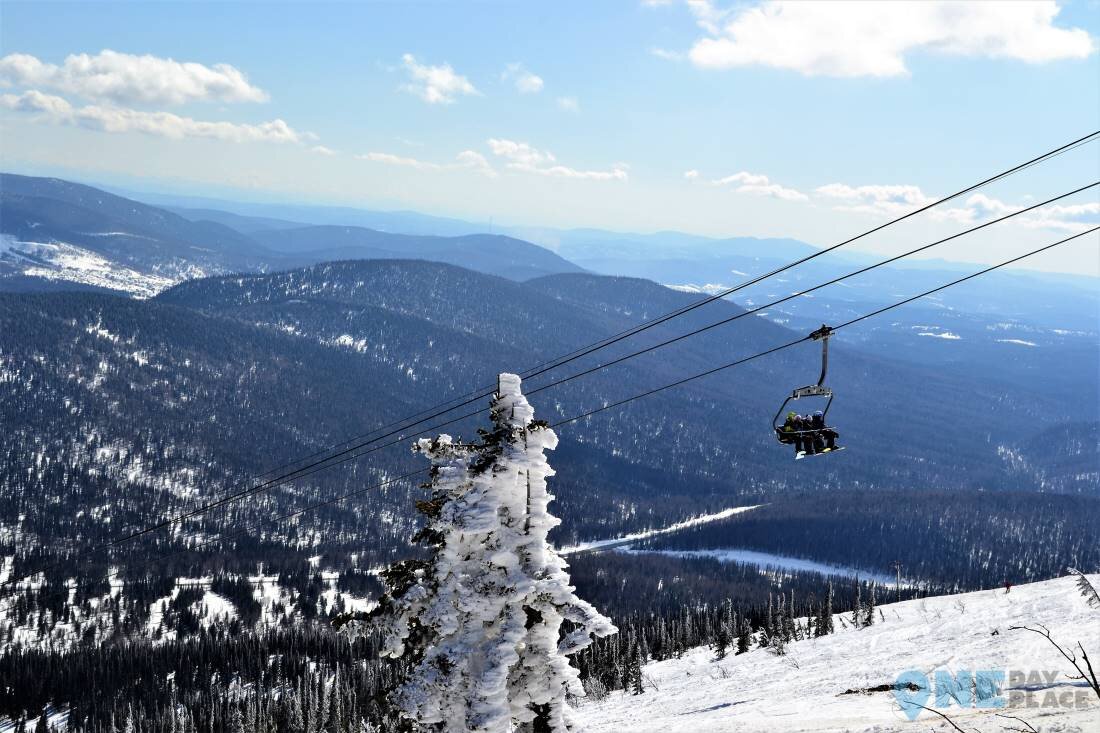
<point x="499" y="255"/>
<point x="55" y="234"/>
<point x="60" y="232"/>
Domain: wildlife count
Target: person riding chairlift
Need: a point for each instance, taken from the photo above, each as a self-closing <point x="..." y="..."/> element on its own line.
<point x="823" y="437"/>
<point x="796" y="425"/>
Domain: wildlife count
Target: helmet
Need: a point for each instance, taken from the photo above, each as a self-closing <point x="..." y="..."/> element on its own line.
<point x="819" y="413"/>
<point x="792" y="415"/>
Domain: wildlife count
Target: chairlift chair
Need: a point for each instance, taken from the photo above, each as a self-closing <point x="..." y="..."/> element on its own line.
<point x="787" y="437"/>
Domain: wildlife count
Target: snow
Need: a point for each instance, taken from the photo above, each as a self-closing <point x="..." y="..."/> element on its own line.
<point x="759" y="692"/>
<point x="768" y="560"/>
<point x="629" y="538"/>
<point x="70" y="263"/>
<point x="348" y="341"/>
<point x="708" y="288"/>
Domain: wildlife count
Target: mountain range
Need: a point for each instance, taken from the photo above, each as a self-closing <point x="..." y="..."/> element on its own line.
<point x="57" y="234"/>
<point x="248" y="348"/>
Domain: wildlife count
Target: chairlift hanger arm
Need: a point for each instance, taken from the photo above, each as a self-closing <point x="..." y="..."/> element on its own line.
<point x="822" y="334"/>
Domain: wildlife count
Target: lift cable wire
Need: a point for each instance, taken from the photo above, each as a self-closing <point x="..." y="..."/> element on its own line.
<point x="612" y="405"/>
<point x="402" y="436"/>
<point x="469" y="398"/>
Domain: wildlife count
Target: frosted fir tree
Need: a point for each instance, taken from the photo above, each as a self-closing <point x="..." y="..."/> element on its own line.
<point x="488" y="620"/>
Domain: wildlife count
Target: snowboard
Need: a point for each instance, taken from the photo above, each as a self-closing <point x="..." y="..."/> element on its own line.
<point x="803" y="454"/>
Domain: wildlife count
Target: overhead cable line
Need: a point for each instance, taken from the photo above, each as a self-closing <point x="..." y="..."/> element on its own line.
<point x="442" y="408"/>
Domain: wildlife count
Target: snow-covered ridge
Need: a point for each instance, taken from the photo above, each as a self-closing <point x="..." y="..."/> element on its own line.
<point x="807" y="689"/>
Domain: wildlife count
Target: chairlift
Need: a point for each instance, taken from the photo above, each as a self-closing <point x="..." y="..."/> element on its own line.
<point x="790" y="437"/>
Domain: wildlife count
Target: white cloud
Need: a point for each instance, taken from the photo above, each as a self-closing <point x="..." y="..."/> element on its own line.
<point x="322" y="150"/>
<point x="435" y="84"/>
<point x="691" y="175"/>
<point x="1062" y="217"/>
<point x="875" y="199"/>
<point x="569" y="104"/>
<point x="525" y="81"/>
<point x="707" y="16"/>
<point x="162" y="124"/>
<point x="391" y="159"/>
<point x="895" y="200"/>
<point x="849" y="39"/>
<point x="520" y="154"/>
<point x="664" y="53"/>
<point x="123" y="78"/>
<point x="523" y="157"/>
<point x="36" y="101"/>
<point x="476" y="161"/>
<point x="470" y="159"/>
<point x="756" y="183"/>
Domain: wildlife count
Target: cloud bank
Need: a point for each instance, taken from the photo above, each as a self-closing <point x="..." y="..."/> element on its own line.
<point x="59" y="111"/>
<point x="123" y="78"/>
<point x="853" y="39"/>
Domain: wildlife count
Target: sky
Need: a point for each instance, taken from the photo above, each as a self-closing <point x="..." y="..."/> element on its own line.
<point x="771" y="119"/>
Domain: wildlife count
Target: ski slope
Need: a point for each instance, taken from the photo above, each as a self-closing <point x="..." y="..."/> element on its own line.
<point x="759" y="692"/>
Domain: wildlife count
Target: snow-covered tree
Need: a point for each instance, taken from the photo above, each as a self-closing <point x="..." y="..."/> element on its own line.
<point x="480" y="621"/>
<point x="826" y="625"/>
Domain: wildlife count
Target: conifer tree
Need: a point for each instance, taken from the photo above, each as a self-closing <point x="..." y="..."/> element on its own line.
<point x="479" y="621"/>
<point x="744" y="636"/>
<point x="636" y="685"/>
<point x="721" y="641"/>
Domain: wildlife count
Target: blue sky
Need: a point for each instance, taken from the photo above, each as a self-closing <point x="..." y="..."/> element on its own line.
<point x="812" y="121"/>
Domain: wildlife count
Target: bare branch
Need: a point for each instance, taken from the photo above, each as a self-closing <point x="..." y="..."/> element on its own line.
<point x="1093" y="682"/>
<point x="1030" y="727"/>
<point x="937" y="712"/>
<point x="1090" y="677"/>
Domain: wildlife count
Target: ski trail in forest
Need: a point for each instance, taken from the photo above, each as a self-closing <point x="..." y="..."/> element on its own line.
<point x="627" y="539"/>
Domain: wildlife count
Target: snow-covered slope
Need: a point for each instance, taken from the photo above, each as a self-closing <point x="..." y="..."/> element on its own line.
<point x="805" y="690"/>
<point x="58" y="261"/>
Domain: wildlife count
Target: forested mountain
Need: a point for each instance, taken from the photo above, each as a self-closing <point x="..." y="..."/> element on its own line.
<point x="500" y="255"/>
<point x="120" y="411"/>
<point x="55" y="234"/>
